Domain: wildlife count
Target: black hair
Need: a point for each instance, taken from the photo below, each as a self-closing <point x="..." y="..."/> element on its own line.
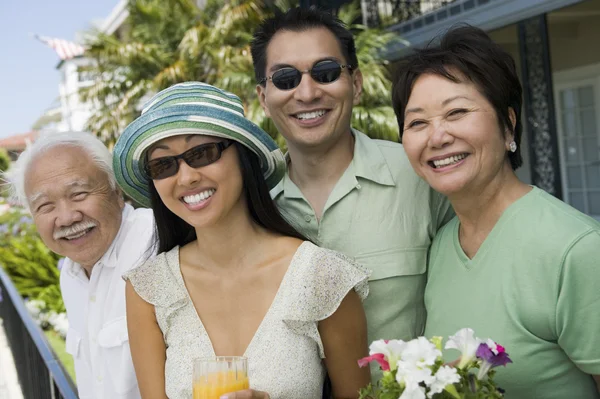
<point x="171" y="230"/>
<point x="472" y="53"/>
<point x="297" y="20"/>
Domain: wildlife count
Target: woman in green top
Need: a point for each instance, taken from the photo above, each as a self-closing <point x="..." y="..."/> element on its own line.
<point x="515" y="264"/>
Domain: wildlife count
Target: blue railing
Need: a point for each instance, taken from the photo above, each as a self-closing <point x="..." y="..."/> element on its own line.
<point x="41" y="374"/>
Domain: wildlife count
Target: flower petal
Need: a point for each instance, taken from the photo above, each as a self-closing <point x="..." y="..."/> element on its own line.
<point x="377" y="357"/>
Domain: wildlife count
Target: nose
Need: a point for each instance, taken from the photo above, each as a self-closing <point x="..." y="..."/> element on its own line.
<point x="186" y="175"/>
<point x="440" y="136"/>
<point x="67" y="215"/>
<point x="308" y="90"/>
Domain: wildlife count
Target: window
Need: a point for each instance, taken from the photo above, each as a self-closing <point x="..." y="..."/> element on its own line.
<point x="578" y="118"/>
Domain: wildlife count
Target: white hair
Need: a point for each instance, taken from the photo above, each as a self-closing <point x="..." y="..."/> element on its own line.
<point x="97" y="151"/>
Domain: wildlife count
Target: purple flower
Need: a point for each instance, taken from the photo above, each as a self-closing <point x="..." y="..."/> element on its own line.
<point x="491" y="355"/>
<point x="1" y="299"/>
<point x="25" y="220"/>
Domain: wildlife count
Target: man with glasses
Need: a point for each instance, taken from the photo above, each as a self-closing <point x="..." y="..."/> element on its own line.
<point x="342" y="189"/>
<point x="66" y="181"/>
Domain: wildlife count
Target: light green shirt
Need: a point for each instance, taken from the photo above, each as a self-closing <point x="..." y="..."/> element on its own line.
<point x="383" y="215"/>
<point x="533" y="287"/>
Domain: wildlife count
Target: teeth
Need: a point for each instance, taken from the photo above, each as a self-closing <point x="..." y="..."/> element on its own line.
<point x="448" y="161"/>
<point x="310" y="115"/>
<point x="197" y="198"/>
<point x="75" y="236"/>
<point x="74" y="231"/>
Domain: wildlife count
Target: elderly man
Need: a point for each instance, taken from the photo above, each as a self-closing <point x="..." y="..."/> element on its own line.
<point x="67" y="183"/>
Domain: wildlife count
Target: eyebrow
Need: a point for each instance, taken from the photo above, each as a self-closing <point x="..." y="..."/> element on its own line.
<point x="277" y="67"/>
<point x="166" y="147"/>
<point x="445" y="102"/>
<point x="35" y="197"/>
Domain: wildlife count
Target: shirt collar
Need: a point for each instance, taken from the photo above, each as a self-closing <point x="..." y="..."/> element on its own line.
<point x="109" y="259"/>
<point x="368" y="162"/>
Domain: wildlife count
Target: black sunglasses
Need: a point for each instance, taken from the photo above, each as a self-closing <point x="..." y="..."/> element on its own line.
<point x="196" y="157"/>
<point x="287" y="78"/>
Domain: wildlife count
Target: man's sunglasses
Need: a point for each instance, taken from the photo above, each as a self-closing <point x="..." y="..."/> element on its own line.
<point x="287" y="78"/>
<point x="196" y="157"/>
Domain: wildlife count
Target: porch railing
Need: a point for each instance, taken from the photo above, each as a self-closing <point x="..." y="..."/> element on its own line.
<point x="40" y="373"/>
<point x="386" y="13"/>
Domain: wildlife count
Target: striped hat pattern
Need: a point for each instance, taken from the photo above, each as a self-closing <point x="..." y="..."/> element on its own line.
<point x="190" y="108"/>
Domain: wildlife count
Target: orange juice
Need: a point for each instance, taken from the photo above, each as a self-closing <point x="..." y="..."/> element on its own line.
<point x="213" y="385"/>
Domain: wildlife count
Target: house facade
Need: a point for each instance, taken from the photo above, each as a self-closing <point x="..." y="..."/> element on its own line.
<point x="555" y="46"/>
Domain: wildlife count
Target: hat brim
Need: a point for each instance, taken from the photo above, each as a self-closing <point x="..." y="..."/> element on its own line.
<point x="130" y="150"/>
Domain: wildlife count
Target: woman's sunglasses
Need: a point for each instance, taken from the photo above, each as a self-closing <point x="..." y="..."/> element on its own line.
<point x="287" y="78"/>
<point x="196" y="157"/>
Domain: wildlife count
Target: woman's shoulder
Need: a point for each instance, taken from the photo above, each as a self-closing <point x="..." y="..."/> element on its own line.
<point x="155" y="280"/>
<point x="543" y="215"/>
<point x="316" y="257"/>
<point x="324" y="277"/>
<point x="318" y="281"/>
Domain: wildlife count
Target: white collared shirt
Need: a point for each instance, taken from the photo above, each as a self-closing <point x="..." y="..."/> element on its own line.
<point x="97" y="336"/>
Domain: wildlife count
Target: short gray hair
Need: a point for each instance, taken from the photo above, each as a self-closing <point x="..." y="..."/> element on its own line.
<point x="98" y="152"/>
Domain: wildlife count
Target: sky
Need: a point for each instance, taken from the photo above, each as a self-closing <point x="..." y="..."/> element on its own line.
<point x="27" y="66"/>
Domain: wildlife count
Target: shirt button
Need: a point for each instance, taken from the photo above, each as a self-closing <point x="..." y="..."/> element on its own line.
<point x="93" y="340"/>
<point x="307" y="218"/>
<point x="358" y="186"/>
<point x="92" y="298"/>
<point x="99" y="378"/>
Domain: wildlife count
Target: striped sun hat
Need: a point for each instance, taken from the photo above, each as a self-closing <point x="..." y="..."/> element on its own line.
<point x="190" y="108"/>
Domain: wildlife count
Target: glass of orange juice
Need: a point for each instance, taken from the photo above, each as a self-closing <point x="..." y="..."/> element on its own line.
<point x="215" y="376"/>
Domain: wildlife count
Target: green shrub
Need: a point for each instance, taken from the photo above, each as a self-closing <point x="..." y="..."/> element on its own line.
<point x="4" y="160"/>
<point x="29" y="263"/>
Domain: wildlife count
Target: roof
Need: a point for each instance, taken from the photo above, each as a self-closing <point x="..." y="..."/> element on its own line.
<point x="19" y="142"/>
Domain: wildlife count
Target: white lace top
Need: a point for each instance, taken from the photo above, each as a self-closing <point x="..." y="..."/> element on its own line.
<point x="284" y="356"/>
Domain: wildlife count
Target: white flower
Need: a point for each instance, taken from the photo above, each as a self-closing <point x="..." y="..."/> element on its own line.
<point x="417" y="393"/>
<point x="444" y="377"/>
<point x="465" y="341"/>
<point x="35" y="307"/>
<point x="392" y="350"/>
<point x="60" y="323"/>
<point x="421" y="352"/>
<point x="410" y="375"/>
<point x="493" y="346"/>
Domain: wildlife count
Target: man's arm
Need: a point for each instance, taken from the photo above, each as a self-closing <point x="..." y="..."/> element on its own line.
<point x="597" y="379"/>
<point x="441" y="210"/>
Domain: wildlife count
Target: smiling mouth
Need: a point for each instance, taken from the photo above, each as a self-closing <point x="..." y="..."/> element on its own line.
<point x="78" y="235"/>
<point x="451" y="160"/>
<point x="196" y="199"/>
<point x="307" y="116"/>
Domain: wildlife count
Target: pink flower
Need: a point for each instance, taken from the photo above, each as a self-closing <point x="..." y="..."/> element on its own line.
<point x="379" y="358"/>
<point x="385" y="352"/>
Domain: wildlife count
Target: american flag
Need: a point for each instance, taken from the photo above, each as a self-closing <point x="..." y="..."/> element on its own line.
<point x="64" y="48"/>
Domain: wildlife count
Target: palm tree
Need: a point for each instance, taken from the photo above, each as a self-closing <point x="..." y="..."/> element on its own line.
<point x="374" y="115"/>
<point x="170" y="41"/>
<point x="127" y="68"/>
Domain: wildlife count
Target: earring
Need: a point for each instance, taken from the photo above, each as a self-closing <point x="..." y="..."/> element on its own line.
<point x="512" y="146"/>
